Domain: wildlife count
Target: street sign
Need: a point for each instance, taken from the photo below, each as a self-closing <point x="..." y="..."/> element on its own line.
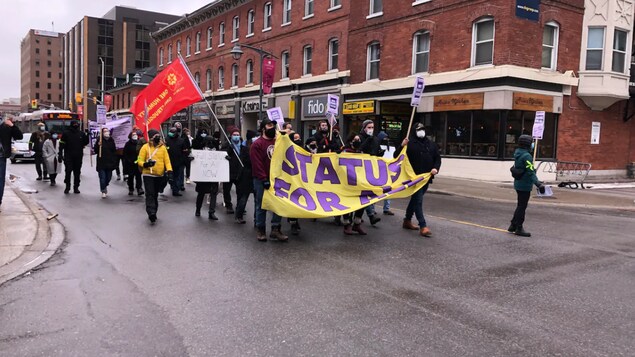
<point x="539" y="125"/>
<point x="418" y="91"/>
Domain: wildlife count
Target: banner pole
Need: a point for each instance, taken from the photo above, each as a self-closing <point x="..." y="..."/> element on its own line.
<point x="223" y="130"/>
<point x="101" y="135"/>
<point x="412" y="117"/>
<point x="535" y="150"/>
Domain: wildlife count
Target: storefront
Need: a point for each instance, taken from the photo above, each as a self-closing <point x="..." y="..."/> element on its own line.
<point x="226" y="113"/>
<point x="250" y="108"/>
<point x="313" y="111"/>
<point x="356" y="112"/>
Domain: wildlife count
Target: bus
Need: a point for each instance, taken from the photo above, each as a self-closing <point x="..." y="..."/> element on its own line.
<point x="54" y="120"/>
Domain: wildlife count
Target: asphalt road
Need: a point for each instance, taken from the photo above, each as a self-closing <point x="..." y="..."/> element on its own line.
<point x="192" y="287"/>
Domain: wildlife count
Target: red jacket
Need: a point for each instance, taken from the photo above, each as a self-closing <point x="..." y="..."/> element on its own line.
<point x="260" y="155"/>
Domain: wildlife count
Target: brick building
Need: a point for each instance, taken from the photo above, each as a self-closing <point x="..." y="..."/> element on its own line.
<point x="489" y="66"/>
<point x="41" y="69"/>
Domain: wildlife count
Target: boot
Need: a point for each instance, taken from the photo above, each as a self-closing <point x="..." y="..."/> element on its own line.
<point x="76" y="190"/>
<point x="230" y="209"/>
<point x="140" y="192"/>
<point x="407" y="224"/>
<point x="67" y="189"/>
<point x="348" y="230"/>
<point x="212" y="216"/>
<point x="521" y="232"/>
<point x="261" y="235"/>
<point x="374" y="219"/>
<point x="295" y="228"/>
<point x="198" y="212"/>
<point x="130" y="192"/>
<point x="357" y="227"/>
<point x="277" y="234"/>
<point x="425" y="232"/>
<point x="512" y="228"/>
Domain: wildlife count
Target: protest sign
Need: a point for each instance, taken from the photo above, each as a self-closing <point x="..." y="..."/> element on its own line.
<point x="333" y="104"/>
<point x="209" y="166"/>
<point x="101" y="114"/>
<point x="539" y="125"/>
<point x="305" y="185"/>
<point x="275" y="114"/>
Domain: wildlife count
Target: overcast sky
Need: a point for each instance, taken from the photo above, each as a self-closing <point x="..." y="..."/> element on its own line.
<point x="19" y="16"/>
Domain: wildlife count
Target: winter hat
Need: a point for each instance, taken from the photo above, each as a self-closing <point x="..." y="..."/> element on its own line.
<point x="266" y="121"/>
<point x="251" y="134"/>
<point x="202" y="131"/>
<point x="420" y="126"/>
<point x="382" y="135"/>
<point x="152" y="133"/>
<point x="366" y="123"/>
<point x="524" y="141"/>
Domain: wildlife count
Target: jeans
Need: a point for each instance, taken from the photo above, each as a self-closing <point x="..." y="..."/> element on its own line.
<point x="521" y="207"/>
<point x="3" y="173"/>
<point x="179" y="180"/>
<point x="370" y="210"/>
<point x="227" y="193"/>
<point x="152" y="184"/>
<point x="104" y="179"/>
<point x="387" y="205"/>
<point x="261" y="214"/>
<point x="415" y="206"/>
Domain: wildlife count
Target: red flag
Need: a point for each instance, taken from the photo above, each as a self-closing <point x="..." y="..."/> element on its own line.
<point x="170" y="91"/>
<point x="107" y="101"/>
<point x="268" y="71"/>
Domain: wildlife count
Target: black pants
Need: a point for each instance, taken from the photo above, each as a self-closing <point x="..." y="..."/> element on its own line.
<point x="119" y="160"/>
<point x="521" y="207"/>
<point x="349" y="218"/>
<point x="242" y="195"/>
<point x="212" y="199"/>
<point x="227" y="192"/>
<point x="188" y="168"/>
<point x="73" y="165"/>
<point x="40" y="167"/>
<point x="152" y="186"/>
<point x="133" y="175"/>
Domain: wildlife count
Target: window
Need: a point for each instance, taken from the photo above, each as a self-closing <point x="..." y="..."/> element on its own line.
<point x="209" y="38"/>
<point x="376" y="7"/>
<point x="221" y="78"/>
<point x="160" y="56"/>
<point x="48" y="52"/>
<point x="178" y="47"/>
<point x="48" y="74"/>
<point x="234" y="75"/>
<point x="286" y="12"/>
<point x="221" y="34"/>
<point x="619" y="50"/>
<point x="285" y="64"/>
<point x="372" y="67"/>
<point x="37" y="73"/>
<point x="197" y="79"/>
<point x="550" y="46"/>
<point x="188" y="46"/>
<point x="208" y="79"/>
<point x="251" y="18"/>
<point x="595" y="49"/>
<point x="197" y="47"/>
<point x="335" y="3"/>
<point x="334" y="48"/>
<point x="37" y="84"/>
<point x="483" y="42"/>
<point x="420" y="52"/>
<point x="267" y="17"/>
<point x="170" y="53"/>
<point x="235" y="29"/>
<point x="250" y="72"/>
<point x="308" y="8"/>
<point x="48" y="63"/>
<point x="48" y="85"/>
<point x="308" y="59"/>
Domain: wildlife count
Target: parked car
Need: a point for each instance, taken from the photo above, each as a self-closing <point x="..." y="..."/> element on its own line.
<point x="20" y="149"/>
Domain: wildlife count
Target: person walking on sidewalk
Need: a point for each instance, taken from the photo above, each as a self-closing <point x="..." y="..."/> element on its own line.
<point x="203" y="141"/>
<point x="107" y="160"/>
<point x="523" y="162"/>
<point x="36" y="141"/>
<point x="260" y="154"/>
<point x="130" y="167"/>
<point x="156" y="167"/>
<point x="72" y="146"/>
<point x="233" y="151"/>
<point x="8" y="132"/>
<point x="50" y="155"/>
<point x="424" y="157"/>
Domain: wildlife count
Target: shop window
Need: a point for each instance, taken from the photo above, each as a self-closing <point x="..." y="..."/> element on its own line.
<point x="619" y="51"/>
<point x="420" y="52"/>
<point x="251" y="18"/>
<point x="483" y="42"/>
<point x="459" y="126"/>
<point x="485" y="131"/>
<point x="594" y="49"/>
<point x="519" y="123"/>
<point x="550" y="46"/>
<point x="372" y="67"/>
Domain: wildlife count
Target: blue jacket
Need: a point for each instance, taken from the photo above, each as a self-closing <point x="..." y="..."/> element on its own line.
<point x="523" y="159"/>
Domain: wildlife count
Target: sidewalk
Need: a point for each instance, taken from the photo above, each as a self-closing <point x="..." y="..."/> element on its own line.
<point x="27" y="237"/>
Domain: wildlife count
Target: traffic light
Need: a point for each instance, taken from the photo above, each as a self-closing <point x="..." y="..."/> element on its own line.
<point x="33" y="103"/>
<point x="78" y="98"/>
<point x="95" y="99"/>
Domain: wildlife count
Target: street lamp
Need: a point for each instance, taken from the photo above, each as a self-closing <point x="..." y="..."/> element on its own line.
<point x="102" y="78"/>
<point x="237" y="52"/>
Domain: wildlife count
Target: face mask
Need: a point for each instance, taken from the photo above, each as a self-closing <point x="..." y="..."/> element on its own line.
<point x="156" y="140"/>
<point x="271" y="133"/>
<point x="236" y="139"/>
<point x="41" y="128"/>
<point x="171" y="135"/>
<point x="357" y="144"/>
<point x="203" y="135"/>
<point x="313" y="147"/>
<point x="135" y="137"/>
<point x="421" y="134"/>
<point x="369" y="132"/>
<point x="54" y="136"/>
<point x="298" y="142"/>
<point x="533" y="145"/>
<point x="325" y="130"/>
<point x="106" y="134"/>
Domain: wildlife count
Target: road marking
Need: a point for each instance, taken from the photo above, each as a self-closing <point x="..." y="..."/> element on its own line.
<point x="462" y="222"/>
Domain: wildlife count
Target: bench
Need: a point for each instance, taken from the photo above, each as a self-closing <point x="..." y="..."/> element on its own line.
<point x="568" y="173"/>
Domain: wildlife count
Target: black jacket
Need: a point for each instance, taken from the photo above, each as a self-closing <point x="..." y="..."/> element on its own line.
<point x="36" y="141"/>
<point x="423" y="155"/>
<point x="178" y="150"/>
<point x="326" y="145"/>
<point x="245" y="179"/>
<point x="370" y="144"/>
<point x="8" y="133"/>
<point x="108" y="158"/>
<point x="72" y="143"/>
<point x="234" y="165"/>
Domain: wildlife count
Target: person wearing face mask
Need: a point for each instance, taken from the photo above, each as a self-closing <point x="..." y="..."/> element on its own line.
<point x="370" y="145"/>
<point x="179" y="152"/>
<point x="245" y="184"/>
<point x="154" y="161"/>
<point x="297" y="139"/>
<point x="233" y="151"/>
<point x="130" y="167"/>
<point x="107" y="160"/>
<point x="203" y="141"/>
<point x="35" y="144"/>
<point x="72" y="145"/>
<point x="321" y="138"/>
<point x="188" y="163"/>
<point x="50" y="154"/>
<point x="424" y="157"/>
<point x="260" y="154"/>
<point x="353" y="221"/>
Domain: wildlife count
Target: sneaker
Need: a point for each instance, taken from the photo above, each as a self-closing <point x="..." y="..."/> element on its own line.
<point x="104" y="195"/>
<point x="388" y="213"/>
<point x="187" y="181"/>
<point x="425" y="232"/>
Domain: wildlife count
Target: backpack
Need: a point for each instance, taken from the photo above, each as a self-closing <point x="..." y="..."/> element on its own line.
<point x="517" y="173"/>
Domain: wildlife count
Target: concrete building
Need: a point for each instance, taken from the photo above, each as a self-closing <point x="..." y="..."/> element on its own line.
<point x="97" y="49"/>
<point x="41" y="69"/>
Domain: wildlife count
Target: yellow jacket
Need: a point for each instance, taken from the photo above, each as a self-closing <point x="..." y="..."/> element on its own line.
<point x="159" y="154"/>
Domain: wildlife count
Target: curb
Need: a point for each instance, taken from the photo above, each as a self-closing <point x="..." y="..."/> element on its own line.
<point x="48" y="238"/>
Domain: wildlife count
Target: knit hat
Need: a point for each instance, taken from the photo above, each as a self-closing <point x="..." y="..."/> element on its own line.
<point x="382" y="135"/>
<point x="524" y="141"/>
<point x="366" y="123"/>
<point x="251" y="134"/>
<point x="152" y="133"/>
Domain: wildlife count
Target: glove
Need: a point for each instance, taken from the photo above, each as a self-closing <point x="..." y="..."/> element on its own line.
<point x="149" y="163"/>
<point x="59" y="159"/>
<point x="266" y="184"/>
<point x="541" y="189"/>
<point x="227" y="158"/>
<point x="170" y="176"/>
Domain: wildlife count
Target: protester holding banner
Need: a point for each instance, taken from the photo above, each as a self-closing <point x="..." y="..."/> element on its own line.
<point x="155" y="162"/>
<point x="353" y="221"/>
<point x="245" y="185"/>
<point x="203" y="141"/>
<point x="235" y="166"/>
<point x="71" y="152"/>
<point x="130" y="167"/>
<point x="296" y="138"/>
<point x="321" y="137"/>
<point x="50" y="156"/>
<point x="370" y="145"/>
<point x="106" y="152"/>
<point x="179" y="152"/>
<point x="260" y="154"/>
<point x="424" y="157"/>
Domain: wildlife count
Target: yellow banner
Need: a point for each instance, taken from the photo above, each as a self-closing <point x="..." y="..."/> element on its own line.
<point x="305" y="185"/>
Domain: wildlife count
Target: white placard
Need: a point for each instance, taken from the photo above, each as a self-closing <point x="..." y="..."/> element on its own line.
<point x="209" y="166"/>
<point x="119" y="130"/>
<point x="275" y="114"/>
<point x="548" y="192"/>
<point x="595" y="132"/>
<point x="101" y="114"/>
<point x="417" y="92"/>
<point x="333" y="104"/>
<point x="539" y="125"/>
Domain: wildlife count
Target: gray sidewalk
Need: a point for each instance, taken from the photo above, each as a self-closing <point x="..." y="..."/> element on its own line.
<point x="27" y="237"/>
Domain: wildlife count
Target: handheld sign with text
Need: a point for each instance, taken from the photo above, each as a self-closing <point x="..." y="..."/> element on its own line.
<point x="333" y="104"/>
<point x="539" y="125"/>
<point x="275" y="114"/>
<point x="209" y="166"/>
<point x="418" y="91"/>
<point x="101" y="114"/>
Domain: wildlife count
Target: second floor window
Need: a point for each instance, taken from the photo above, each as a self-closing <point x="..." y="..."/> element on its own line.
<point x="250" y="72"/>
<point x="308" y="60"/>
<point x="208" y="79"/>
<point x="335" y="3"/>
<point x="267" y="17"/>
<point x="209" y="38"/>
<point x="334" y="49"/>
<point x="376" y="7"/>
<point x="197" y="49"/>
<point x="197" y="79"/>
<point x="284" y="59"/>
<point x="420" y="52"/>
<point x="286" y="12"/>
<point x="161" y="56"/>
<point x="251" y="18"/>
<point x="235" y="29"/>
<point x="595" y="49"/>
<point x="373" y="55"/>
<point x="169" y="53"/>
<point x="221" y="34"/>
<point x="188" y="46"/>
<point x="483" y="42"/>
<point x="308" y="7"/>
<point x="549" y="46"/>
<point x="234" y="75"/>
<point x="619" y="51"/>
<point x="178" y="47"/>
<point x="221" y="78"/>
